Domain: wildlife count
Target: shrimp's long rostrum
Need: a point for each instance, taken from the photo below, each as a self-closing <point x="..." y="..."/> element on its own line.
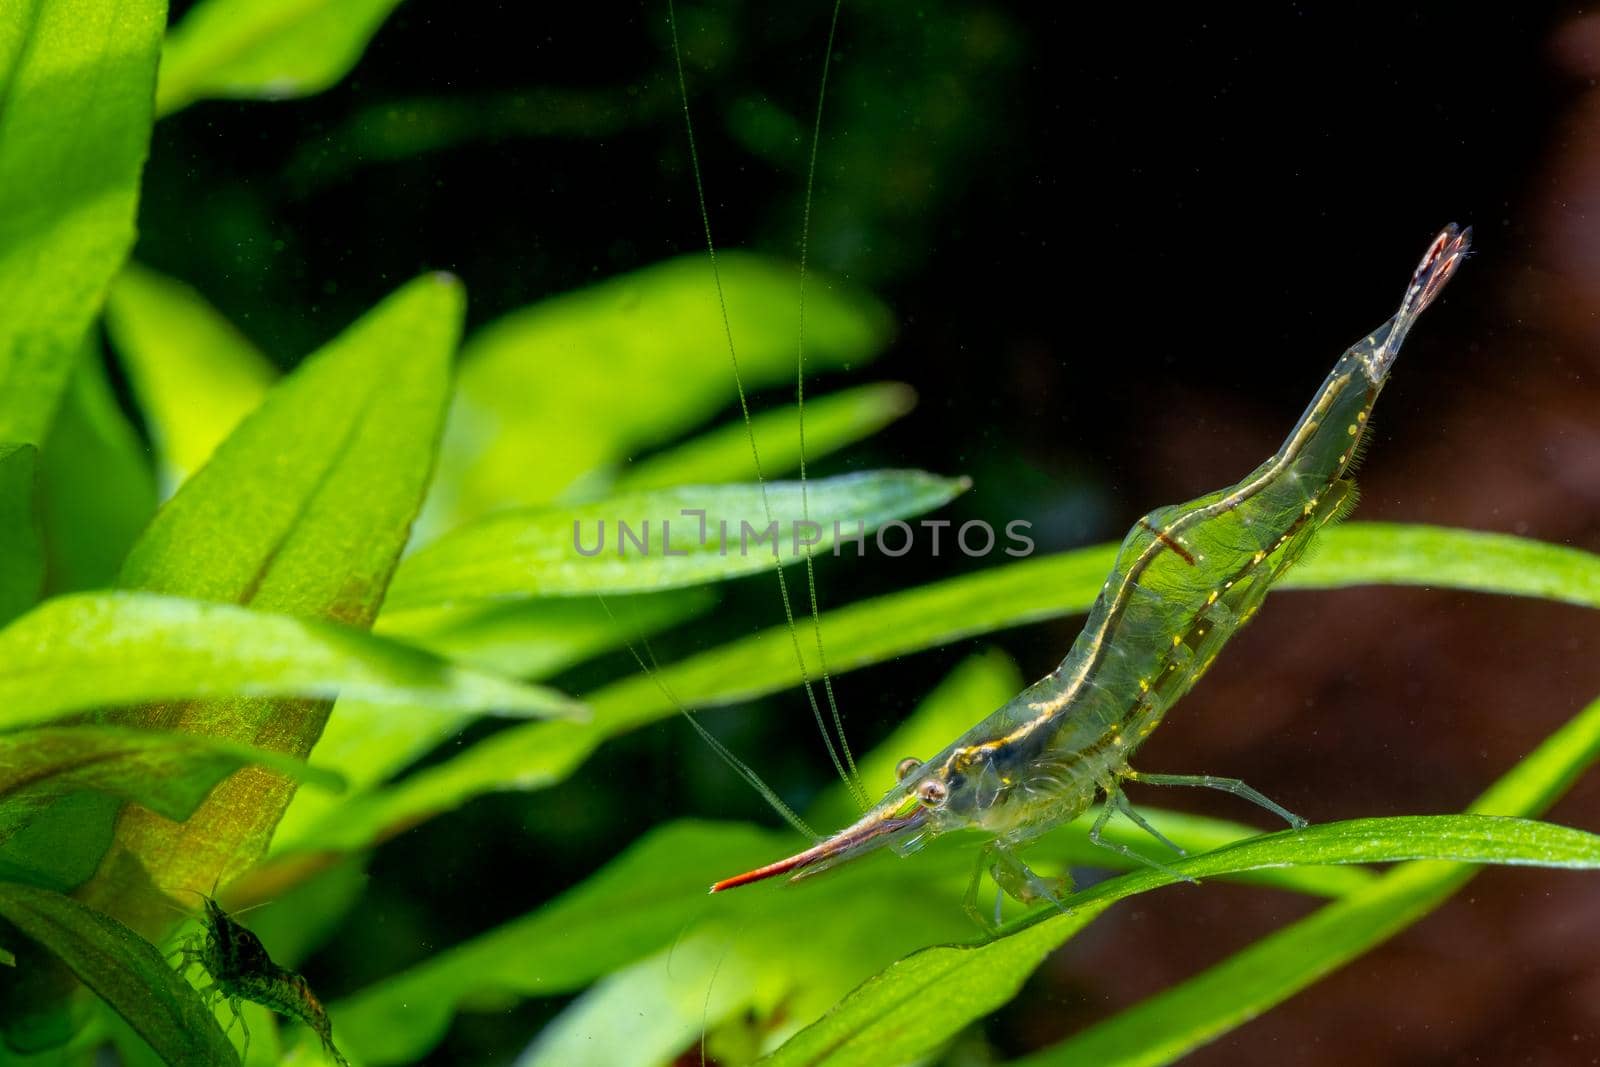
<point x="1186" y="578"/>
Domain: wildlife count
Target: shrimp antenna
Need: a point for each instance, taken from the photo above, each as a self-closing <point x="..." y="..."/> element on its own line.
<point x="839" y="765"/>
<point x="854" y="779"/>
<point x="738" y="765"/>
<point x="170" y="906"/>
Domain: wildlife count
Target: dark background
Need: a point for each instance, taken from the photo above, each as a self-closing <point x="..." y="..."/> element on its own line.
<point x="1122" y="249"/>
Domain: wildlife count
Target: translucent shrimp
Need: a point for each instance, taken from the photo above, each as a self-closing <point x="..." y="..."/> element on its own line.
<point x="1186" y="578"/>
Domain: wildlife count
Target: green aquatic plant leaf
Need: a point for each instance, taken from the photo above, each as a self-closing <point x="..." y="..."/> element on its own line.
<point x="664" y="539"/>
<point x="264" y="49"/>
<point x="302" y="511"/>
<point x="537" y="638"/>
<point x="1180" y="1019"/>
<point x="68" y="189"/>
<point x="194" y="376"/>
<point x="92" y="650"/>
<point x="537" y="755"/>
<point x="168" y="773"/>
<point x="532" y="639"/>
<point x="97" y="490"/>
<point x="648" y="350"/>
<point x="833" y="421"/>
<point x="59" y="847"/>
<point x="919" y="1003"/>
<point x="120" y="967"/>
<point x="21" y="546"/>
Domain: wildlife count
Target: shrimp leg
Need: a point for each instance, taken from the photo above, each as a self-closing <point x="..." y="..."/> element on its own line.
<point x="1115" y="801"/>
<point x="1140" y="821"/>
<point x="1227" y="785"/>
<point x="1016" y="879"/>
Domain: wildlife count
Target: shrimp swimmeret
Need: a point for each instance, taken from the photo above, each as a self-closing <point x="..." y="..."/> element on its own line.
<point x="1186" y="578"/>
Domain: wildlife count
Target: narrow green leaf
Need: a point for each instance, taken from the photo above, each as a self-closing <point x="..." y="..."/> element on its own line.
<point x="125" y="971"/>
<point x="168" y="773"/>
<point x="723" y="455"/>
<point x="919" y="1003"/>
<point x="91" y="650"/>
<point x="97" y="489"/>
<point x="21" y="549"/>
<point x="537" y="638"/>
<point x="1242" y="987"/>
<point x="536" y="755"/>
<point x="302" y="511"/>
<point x="68" y="189"/>
<point x="264" y="49"/>
<point x="636" y="904"/>
<point x="193" y="374"/>
<point x="648" y="350"/>
<point x="658" y="540"/>
<point x="369" y="743"/>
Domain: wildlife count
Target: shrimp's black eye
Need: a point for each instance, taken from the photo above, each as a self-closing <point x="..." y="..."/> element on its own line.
<point x="932" y="792"/>
<point x="905" y="767"/>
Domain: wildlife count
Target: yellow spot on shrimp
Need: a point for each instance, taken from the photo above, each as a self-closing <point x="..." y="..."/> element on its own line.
<point x="1212" y="598"/>
<point x="1176" y="640"/>
<point x="1144" y="685"/>
<point x="1351" y="429"/>
<point x="1361" y="416"/>
<point x="1258" y="557"/>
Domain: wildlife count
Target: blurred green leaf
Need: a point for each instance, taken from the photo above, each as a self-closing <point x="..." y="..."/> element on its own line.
<point x="634" y="905"/>
<point x="536" y="755"/>
<point x="192" y="373"/>
<point x="92" y="650"/>
<point x="919" y="1003"/>
<point x="96" y="486"/>
<point x="537" y="638"/>
<point x="21" y="550"/>
<point x="581" y="549"/>
<point x="723" y="454"/>
<point x="648" y="350"/>
<point x="68" y="189"/>
<point x="1186" y="1016"/>
<point x="369" y="743"/>
<point x="264" y="49"/>
<point x="168" y="773"/>
<point x="302" y="511"/>
<point x="125" y="971"/>
<point x="61" y="845"/>
<point x="398" y="128"/>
